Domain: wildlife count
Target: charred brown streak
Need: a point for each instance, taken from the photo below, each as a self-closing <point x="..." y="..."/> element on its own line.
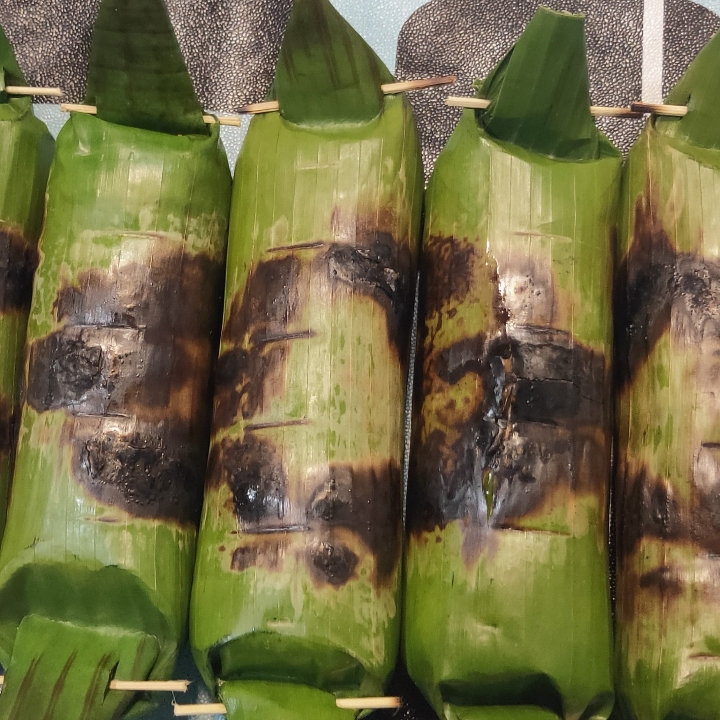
<point x="267" y="555"/>
<point x="18" y="261"/>
<point x="448" y="273"/>
<point x="8" y="427"/>
<point x="331" y="562"/>
<point x="649" y="508"/>
<point x="152" y="472"/>
<point x="131" y="341"/>
<point x="533" y="425"/>
<point x="257" y="331"/>
<point x="253" y="470"/>
<point x="366" y="500"/>
<point x="377" y="266"/>
<point x="655" y="284"/>
<point x="363" y="499"/>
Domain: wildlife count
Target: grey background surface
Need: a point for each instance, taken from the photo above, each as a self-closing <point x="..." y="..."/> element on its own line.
<point x="231" y="45"/>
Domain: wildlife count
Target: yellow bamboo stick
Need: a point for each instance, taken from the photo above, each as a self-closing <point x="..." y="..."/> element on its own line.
<point x="142" y="685"/>
<point x="364" y="703"/>
<point x="39" y="91"/>
<point x="596" y="110"/>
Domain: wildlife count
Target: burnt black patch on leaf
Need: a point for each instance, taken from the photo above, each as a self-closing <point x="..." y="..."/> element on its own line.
<point x="130" y="337"/>
<point x="705" y="522"/>
<point x="548" y="401"/>
<point x="649" y="508"/>
<point x="331" y="562"/>
<point x="257" y="328"/>
<point x="18" y="262"/>
<point x="175" y="295"/>
<point x="267" y="555"/>
<point x="381" y="269"/>
<point x="663" y="580"/>
<point x="63" y="368"/>
<point x="263" y="320"/>
<point x="254" y="472"/>
<point x="366" y="500"/>
<point x="134" y="343"/>
<point x="531" y="425"/>
<point x="447" y="272"/>
<point x="8" y="427"/>
<point x="467" y="356"/>
<point x="149" y="473"/>
<point x="646" y="507"/>
<point x="658" y="288"/>
<point x="451" y="270"/>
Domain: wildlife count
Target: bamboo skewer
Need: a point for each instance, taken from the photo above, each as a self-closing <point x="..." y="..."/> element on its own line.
<point x="617" y="112"/>
<point x="39" y="91"/>
<point x="274" y="106"/>
<point x="467" y="102"/>
<point x="636" y="109"/>
<point x="72" y="107"/>
<point x="363" y="703"/>
<point x="421" y="84"/>
<point x="657" y="109"/>
<point x="596" y="110"/>
<point x="142" y="685"/>
<point x="367" y="703"/>
<point x="150" y="685"/>
<point x="207" y="709"/>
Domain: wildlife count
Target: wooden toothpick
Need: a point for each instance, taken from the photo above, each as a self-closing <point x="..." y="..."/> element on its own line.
<point x="207" y="709"/>
<point x="142" y="685"/>
<point x="150" y="685"/>
<point x="366" y="703"/>
<point x="596" y="110"/>
<point x="232" y="120"/>
<point x="656" y="109"/>
<point x="274" y="106"/>
<point x="71" y="107"/>
<point x="467" y="102"/>
<point x="421" y="84"/>
<point x="616" y="112"/>
<point x="39" y="91"/>
<point x="369" y="703"/>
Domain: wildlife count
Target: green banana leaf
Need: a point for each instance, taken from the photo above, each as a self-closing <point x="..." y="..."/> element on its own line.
<point x="507" y="594"/>
<point x="668" y="417"/>
<point x="96" y="563"/>
<point x="137" y="75"/>
<point x="298" y="566"/>
<point x="26" y="149"/>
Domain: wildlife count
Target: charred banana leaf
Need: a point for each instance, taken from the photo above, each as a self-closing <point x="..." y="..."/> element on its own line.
<point x="97" y="561"/>
<point x="668" y="350"/>
<point x="26" y="149"/>
<point x="507" y="601"/>
<point x="298" y="565"/>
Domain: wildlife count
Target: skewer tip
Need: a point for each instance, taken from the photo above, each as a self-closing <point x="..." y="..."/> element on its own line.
<point x="660" y="109"/>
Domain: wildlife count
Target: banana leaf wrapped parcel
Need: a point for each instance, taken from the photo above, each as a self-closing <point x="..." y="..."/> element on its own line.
<point x="26" y="149"/>
<point x="507" y="609"/>
<point x="96" y="563"/>
<point x="668" y="410"/>
<point x="296" y="593"/>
